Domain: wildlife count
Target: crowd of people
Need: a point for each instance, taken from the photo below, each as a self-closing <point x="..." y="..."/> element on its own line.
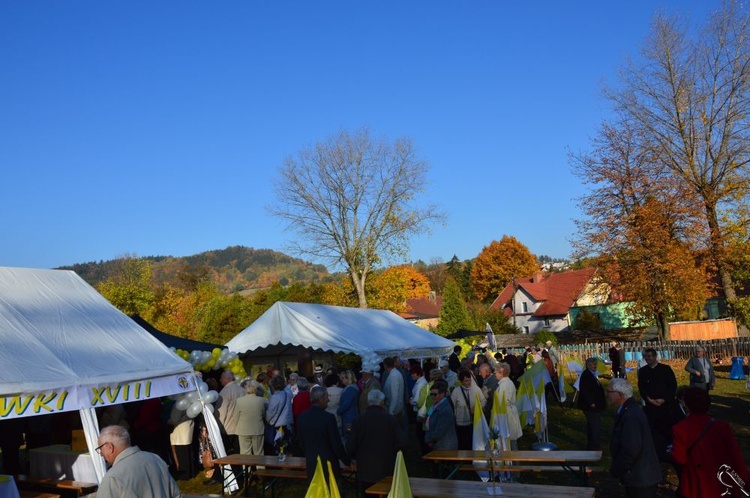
<point x="669" y="425"/>
<point x="341" y="415"/>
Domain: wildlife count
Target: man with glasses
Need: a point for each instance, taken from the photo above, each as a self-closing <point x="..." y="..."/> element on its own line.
<point x="133" y="473"/>
<point x="440" y="426"/>
<point x="634" y="459"/>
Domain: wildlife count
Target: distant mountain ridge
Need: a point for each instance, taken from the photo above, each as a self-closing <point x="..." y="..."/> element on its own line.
<point x="234" y="269"/>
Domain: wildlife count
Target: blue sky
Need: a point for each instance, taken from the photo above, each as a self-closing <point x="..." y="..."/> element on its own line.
<point x="156" y="127"/>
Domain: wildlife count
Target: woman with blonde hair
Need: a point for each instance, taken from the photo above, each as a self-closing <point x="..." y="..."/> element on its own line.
<point x="347" y="409"/>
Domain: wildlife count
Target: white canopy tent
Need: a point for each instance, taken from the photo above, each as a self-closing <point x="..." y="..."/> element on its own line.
<point x="339" y="329"/>
<point x="65" y="348"/>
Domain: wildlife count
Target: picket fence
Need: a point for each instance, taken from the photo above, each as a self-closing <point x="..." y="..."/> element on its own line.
<point x="723" y="349"/>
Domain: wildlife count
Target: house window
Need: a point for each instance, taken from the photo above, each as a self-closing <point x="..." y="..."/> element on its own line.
<point x="525" y="307"/>
<point x="526" y="328"/>
<point x="546" y="322"/>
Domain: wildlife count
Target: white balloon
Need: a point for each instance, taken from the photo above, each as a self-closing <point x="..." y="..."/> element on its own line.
<point x="211" y="397"/>
<point x="182" y="404"/>
<point x="206" y="356"/>
<point x="192" y="396"/>
<point x="202" y="387"/>
<point x="194" y="409"/>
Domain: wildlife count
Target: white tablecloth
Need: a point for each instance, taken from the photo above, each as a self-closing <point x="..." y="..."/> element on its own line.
<point x="8" y="487"/>
<point x="59" y="462"/>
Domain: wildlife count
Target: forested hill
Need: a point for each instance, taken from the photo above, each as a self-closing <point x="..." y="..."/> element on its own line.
<point x="234" y="269"/>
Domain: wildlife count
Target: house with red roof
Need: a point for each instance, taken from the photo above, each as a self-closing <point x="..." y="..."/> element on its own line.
<point x="543" y="300"/>
<point x="423" y="311"/>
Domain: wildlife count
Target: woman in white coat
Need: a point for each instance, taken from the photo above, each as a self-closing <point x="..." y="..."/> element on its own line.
<point x="506" y="386"/>
<point x="464" y="400"/>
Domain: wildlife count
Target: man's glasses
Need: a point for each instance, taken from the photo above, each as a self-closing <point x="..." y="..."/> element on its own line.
<point x="99" y="449"/>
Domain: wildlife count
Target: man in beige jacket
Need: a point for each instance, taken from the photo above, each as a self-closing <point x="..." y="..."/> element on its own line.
<point x="250" y="410"/>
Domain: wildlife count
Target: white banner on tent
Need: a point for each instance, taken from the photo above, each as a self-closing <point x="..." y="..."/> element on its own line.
<point x="92" y="396"/>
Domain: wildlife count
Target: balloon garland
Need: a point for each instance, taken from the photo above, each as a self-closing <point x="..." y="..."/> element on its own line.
<point x="193" y="403"/>
<point x="370" y="361"/>
<point x="205" y="361"/>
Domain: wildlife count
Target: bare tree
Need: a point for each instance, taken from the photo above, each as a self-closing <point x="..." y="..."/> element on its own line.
<point x="689" y="95"/>
<point x="353" y="200"/>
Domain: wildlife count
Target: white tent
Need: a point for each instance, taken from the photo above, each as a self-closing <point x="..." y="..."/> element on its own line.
<point x="65" y="347"/>
<point x="341" y="330"/>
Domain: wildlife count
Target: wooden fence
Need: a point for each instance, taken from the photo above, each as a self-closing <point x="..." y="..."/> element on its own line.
<point x="671" y="350"/>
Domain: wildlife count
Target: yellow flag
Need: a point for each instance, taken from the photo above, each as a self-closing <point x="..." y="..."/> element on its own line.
<point x="400" y="487"/>
<point x="318" y="486"/>
<point x="334" y="487"/>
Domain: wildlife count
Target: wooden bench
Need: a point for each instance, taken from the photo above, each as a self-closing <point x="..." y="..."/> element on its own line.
<point x="273" y="475"/>
<point x="62" y="487"/>
<point x="525" y="468"/>
<point x="24" y="493"/>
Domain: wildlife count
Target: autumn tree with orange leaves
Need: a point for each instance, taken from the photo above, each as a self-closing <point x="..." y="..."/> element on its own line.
<point x="687" y="94"/>
<point x="643" y="225"/>
<point x="498" y="264"/>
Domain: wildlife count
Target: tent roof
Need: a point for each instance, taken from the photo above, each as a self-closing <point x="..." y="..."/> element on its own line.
<point x="339" y="329"/>
<point x="58" y="332"/>
<point x="172" y="341"/>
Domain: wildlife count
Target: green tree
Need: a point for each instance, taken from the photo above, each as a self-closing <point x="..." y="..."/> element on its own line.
<point x="453" y="314"/>
<point x="543" y="336"/>
<point x="588" y="320"/>
<point x="129" y="289"/>
<point x="223" y="317"/>
<point x="481" y="316"/>
<point x="354" y="200"/>
<point x="497" y="264"/>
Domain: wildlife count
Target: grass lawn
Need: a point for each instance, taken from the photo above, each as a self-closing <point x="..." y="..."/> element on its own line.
<point x="567" y="429"/>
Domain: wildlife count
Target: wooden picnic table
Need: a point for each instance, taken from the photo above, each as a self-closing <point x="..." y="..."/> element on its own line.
<point x="441" y="488"/>
<point x="567" y="460"/>
<point x="290" y="468"/>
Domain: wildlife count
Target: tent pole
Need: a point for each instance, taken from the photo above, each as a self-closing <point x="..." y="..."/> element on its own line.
<point x="91" y="431"/>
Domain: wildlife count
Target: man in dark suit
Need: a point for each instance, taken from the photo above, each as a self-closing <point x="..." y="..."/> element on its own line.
<point x="658" y="388"/>
<point x="319" y="435"/>
<point x="592" y="401"/>
<point x="453" y="362"/>
<point x="375" y="439"/>
<point x="634" y="459"/>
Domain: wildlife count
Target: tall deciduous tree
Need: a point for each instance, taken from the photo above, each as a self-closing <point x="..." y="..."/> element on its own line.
<point x="454" y="314"/>
<point x="353" y="201"/>
<point x="644" y="224"/>
<point x="498" y="263"/>
<point x="689" y="95"/>
<point x="390" y="288"/>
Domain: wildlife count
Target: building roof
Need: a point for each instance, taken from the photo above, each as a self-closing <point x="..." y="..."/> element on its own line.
<point x="557" y="291"/>
<point x="421" y="308"/>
